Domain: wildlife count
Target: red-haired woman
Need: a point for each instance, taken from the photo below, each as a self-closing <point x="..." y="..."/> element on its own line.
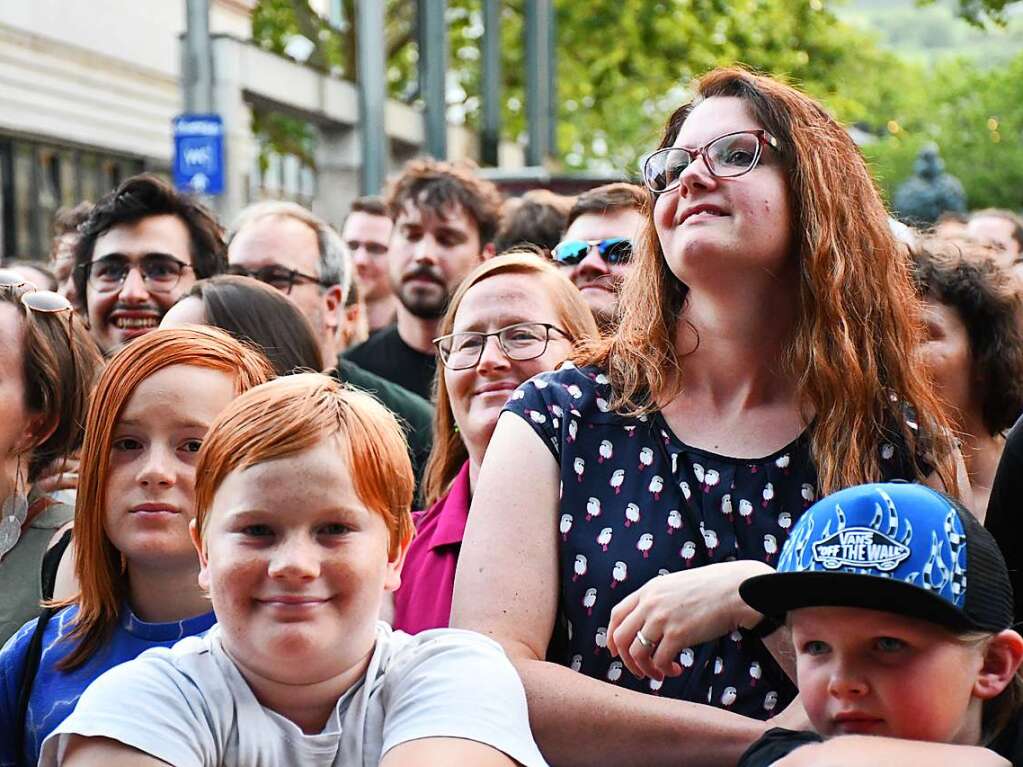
<point x="764" y="358"/>
<point x="47" y="366"/>
<point x="536" y="317"/>
<point x="134" y="562"/>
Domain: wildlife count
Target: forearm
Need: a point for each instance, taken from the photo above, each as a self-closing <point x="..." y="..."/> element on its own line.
<point x="577" y="720"/>
<point x="867" y="751"/>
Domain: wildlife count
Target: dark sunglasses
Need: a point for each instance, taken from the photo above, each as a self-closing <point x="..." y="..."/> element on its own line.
<point x="614" y="250"/>
<point x="41" y="301"/>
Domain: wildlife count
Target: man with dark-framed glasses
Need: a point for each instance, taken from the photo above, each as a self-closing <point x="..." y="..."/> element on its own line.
<point x="295" y="251"/>
<point x="141" y="248"/>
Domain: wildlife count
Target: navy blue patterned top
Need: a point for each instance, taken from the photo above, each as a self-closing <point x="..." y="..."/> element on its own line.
<point x="636" y="502"/>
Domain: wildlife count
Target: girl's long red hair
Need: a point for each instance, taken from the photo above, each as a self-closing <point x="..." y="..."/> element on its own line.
<point x="852" y="352"/>
<point x="98" y="565"/>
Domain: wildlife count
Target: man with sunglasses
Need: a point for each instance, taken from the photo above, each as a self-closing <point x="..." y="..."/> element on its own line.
<point x="292" y="249"/>
<point x="596" y="250"/>
<point x="140" y="249"/>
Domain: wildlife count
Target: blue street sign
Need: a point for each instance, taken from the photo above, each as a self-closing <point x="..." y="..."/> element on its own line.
<point x="199" y="153"/>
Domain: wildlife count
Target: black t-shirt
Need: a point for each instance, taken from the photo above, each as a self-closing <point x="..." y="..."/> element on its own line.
<point x="1005" y="511"/>
<point x="777" y="743"/>
<point x="774" y="744"/>
<point x="388" y="356"/>
<point x="1009" y="742"/>
<point x="415" y="411"/>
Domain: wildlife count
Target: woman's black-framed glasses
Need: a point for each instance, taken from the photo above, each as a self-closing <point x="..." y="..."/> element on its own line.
<point x="521" y="341"/>
<point x="160" y="272"/>
<point x="727" y="156"/>
<point x="279" y="277"/>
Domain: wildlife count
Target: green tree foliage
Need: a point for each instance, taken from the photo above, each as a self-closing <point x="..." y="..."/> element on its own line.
<point x="624" y="65"/>
<point x="975" y="116"/>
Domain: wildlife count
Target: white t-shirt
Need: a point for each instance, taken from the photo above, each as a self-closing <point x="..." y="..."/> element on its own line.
<point x="189" y="705"/>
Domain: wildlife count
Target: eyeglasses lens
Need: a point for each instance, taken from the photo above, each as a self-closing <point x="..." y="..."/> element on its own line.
<point x="616" y="251"/>
<point x="160" y="273"/>
<point x="570" y="252"/>
<point x="663" y="169"/>
<point x="12" y="280"/>
<point x="733" y="155"/>
<point x="46" y="301"/>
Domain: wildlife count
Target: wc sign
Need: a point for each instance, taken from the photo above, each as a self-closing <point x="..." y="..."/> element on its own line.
<point x="199" y="154"/>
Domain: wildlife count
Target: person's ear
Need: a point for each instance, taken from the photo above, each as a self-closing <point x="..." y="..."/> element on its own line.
<point x="39" y="427"/>
<point x="196" y="536"/>
<point x="332" y="303"/>
<point x="489" y="251"/>
<point x="396" y="563"/>
<point x="1002" y="658"/>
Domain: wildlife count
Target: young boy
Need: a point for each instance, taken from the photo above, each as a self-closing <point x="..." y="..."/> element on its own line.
<point x="302" y="523"/>
<point x="900" y="610"/>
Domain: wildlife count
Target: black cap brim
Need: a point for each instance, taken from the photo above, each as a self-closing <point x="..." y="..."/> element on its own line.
<point x="776" y="594"/>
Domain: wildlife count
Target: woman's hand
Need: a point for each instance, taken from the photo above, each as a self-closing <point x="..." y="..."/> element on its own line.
<point x="680" y="610"/>
<point x="61" y="474"/>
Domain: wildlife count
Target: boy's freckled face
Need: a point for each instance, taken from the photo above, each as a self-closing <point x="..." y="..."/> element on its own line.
<point x="296" y="566"/>
<point x="876" y="673"/>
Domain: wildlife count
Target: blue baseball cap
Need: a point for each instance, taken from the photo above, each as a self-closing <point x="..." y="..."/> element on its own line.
<point x="897" y="547"/>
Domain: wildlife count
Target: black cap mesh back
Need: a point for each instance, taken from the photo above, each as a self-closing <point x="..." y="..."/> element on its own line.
<point x="988" y="602"/>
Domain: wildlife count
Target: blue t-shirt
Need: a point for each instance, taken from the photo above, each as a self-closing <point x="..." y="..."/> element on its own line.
<point x="55" y="693"/>
<point x="637" y="502"/>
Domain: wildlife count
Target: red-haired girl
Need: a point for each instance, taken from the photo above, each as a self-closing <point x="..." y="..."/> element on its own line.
<point x="134" y="563"/>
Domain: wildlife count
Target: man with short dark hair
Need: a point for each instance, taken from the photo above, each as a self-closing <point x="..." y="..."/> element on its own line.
<point x="141" y="248"/>
<point x="292" y="249"/>
<point x="445" y="218"/>
<point x="597" y="247"/>
<point x="367" y="233"/>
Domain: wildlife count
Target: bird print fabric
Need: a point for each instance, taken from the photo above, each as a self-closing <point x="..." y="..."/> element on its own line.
<point x="636" y="502"/>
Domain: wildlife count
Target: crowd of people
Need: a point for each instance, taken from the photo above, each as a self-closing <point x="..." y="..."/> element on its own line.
<point x="716" y="469"/>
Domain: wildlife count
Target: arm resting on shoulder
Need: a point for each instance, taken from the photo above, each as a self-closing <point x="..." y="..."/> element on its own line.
<point x="869" y="751"/>
<point x="104" y="752"/>
<point x="444" y="752"/>
<point x="506" y="587"/>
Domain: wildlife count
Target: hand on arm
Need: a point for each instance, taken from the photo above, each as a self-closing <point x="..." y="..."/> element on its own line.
<point x="61" y="474"/>
<point x="680" y="610"/>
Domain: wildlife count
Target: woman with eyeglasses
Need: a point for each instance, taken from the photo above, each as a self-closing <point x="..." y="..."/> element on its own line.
<point x="763" y="358"/>
<point x="135" y="566"/>
<point x="47" y="366"/>
<point x="513" y="317"/>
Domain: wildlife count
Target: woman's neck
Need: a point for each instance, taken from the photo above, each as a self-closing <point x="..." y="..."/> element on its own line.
<point x="309" y="706"/>
<point x="981" y="455"/>
<point x="162" y="595"/>
<point x="733" y="347"/>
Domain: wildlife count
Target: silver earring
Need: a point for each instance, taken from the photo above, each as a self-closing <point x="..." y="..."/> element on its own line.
<point x="13" y="513"/>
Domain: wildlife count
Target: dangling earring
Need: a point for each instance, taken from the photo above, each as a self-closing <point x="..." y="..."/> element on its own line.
<point x="13" y="513"/>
